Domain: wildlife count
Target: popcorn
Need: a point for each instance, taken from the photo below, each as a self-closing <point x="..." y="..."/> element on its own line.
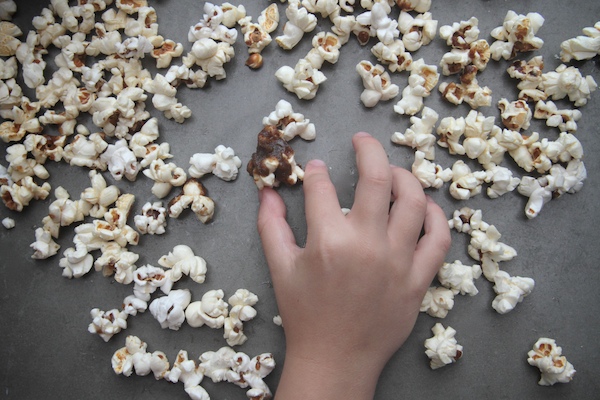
<point x="85" y="151"/>
<point x="152" y="220"/>
<point x="437" y="301"/>
<point x="132" y="305"/>
<point x="211" y="56"/>
<point x="466" y="49"/>
<point x="211" y="310"/>
<point x="377" y="83"/>
<point x="7" y="9"/>
<point x="502" y="181"/>
<point x="105" y="41"/>
<point x="565" y="120"/>
<point x="421" y="81"/>
<point x="516" y="35"/>
<point x="547" y="356"/>
<point x="165" y="176"/>
<point x="165" y="53"/>
<point x="327" y="8"/>
<point x="178" y="74"/>
<point x="459" y="277"/>
<point x="8" y="38"/>
<point x="416" y="31"/>
<point x="8" y="68"/>
<point x="419" y="136"/>
<point x="120" y="160"/>
<point x="584" y="47"/>
<point x="107" y="323"/>
<point x="217" y="364"/>
<point x="442" y="348"/>
<point x="468" y="90"/>
<point x="224" y="164"/>
<point x="419" y="6"/>
<point x="450" y="130"/>
<point x="343" y="26"/>
<point x="303" y="80"/>
<point x="123" y="361"/>
<point x="19" y="194"/>
<point x="10" y="94"/>
<point x="394" y="55"/>
<point x="326" y="47"/>
<point x="290" y="123"/>
<point x="516" y="115"/>
<point x="147" y="279"/>
<point x="186" y="371"/>
<point x="241" y="311"/>
<point x="63" y="212"/>
<point x="379" y="22"/>
<point x="257" y="36"/>
<point x="568" y="81"/>
<point x="134" y="47"/>
<point x="20" y="166"/>
<point x="486" y="248"/>
<point x="466" y="220"/>
<point x="429" y="173"/>
<point x="169" y="309"/>
<point x="145" y="25"/>
<point x="8" y="223"/>
<point x="183" y="261"/>
<point x="30" y="55"/>
<point x="44" y="247"/>
<point x="118" y="261"/>
<point x="44" y="147"/>
<point x="465" y="183"/>
<point x="131" y="6"/>
<point x="299" y="21"/>
<point x="195" y="195"/>
<point x="75" y="264"/>
<point x="99" y="196"/>
<point x="510" y="290"/>
<point x="273" y="162"/>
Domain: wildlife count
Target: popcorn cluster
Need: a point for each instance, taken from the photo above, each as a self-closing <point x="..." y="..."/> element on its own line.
<point x="442" y="348"/>
<point x="547" y="356"/>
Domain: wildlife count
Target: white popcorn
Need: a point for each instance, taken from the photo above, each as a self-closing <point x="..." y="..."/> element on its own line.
<point x="327" y="8"/>
<point x="421" y="82"/>
<point x="299" y="21"/>
<point x="193" y="79"/>
<point x="217" y="364"/>
<point x="510" y="290"/>
<point x="502" y="181"/>
<point x="450" y="131"/>
<point x="303" y="80"/>
<point x="584" y="47"/>
<point x="277" y="320"/>
<point x="343" y="26"/>
<point x="465" y="183"/>
<point x="568" y="81"/>
<point x="132" y="357"/>
<point x="165" y="176"/>
<point x="394" y="55"/>
<point x="211" y="310"/>
<point x="419" y="135"/>
<point x="118" y="261"/>
<point x="186" y="371"/>
<point x="417" y="31"/>
<point x="246" y="372"/>
<point x="30" y="55"/>
<point x="516" y="35"/>
<point x="291" y="123"/>
<point x="107" y="323"/>
<point x="85" y="151"/>
<point x="44" y="147"/>
<point x="120" y="160"/>
<point x="420" y="6"/>
<point x="256" y="37"/>
<point x="429" y="173"/>
<point x="75" y="264"/>
<point x="8" y="223"/>
<point x="132" y="305"/>
<point x="442" y="348"/>
<point x="63" y="212"/>
<point x="44" y="247"/>
<point x="152" y="220"/>
<point x="466" y="49"/>
<point x="20" y="166"/>
<point x="377" y="83"/>
<point x="565" y="120"/>
<point x="99" y="196"/>
<point x="23" y="122"/>
<point x="211" y="56"/>
<point x="7" y="9"/>
<point x="149" y="278"/>
<point x="165" y="53"/>
<point x="459" y="277"/>
<point x="164" y="98"/>
<point x="379" y="22"/>
<point x="10" y="94"/>
<point x="437" y="301"/>
<point x="486" y="248"/>
<point x="134" y="47"/>
<point x="547" y="356"/>
<point x="19" y="194"/>
<point x="241" y="311"/>
<point x="530" y="75"/>
<point x="223" y="164"/>
<point x="8" y="38"/>
<point x="468" y="90"/>
<point x="169" y="310"/>
<point x="515" y="115"/>
<point x="466" y="220"/>
<point x="182" y="261"/>
<point x="193" y="195"/>
<point x="154" y="152"/>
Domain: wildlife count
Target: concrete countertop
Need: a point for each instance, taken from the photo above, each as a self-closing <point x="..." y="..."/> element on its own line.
<point x="46" y="351"/>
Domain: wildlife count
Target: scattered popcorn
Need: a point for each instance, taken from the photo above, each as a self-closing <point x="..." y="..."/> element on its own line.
<point x="164" y="98"/>
<point x="257" y="35"/>
<point x="291" y="123"/>
<point x="182" y="261"/>
<point x="377" y="83"/>
<point x="530" y="76"/>
<point x="486" y="248"/>
<point x="211" y="56"/>
<point x="515" y="115"/>
<point x="516" y="35"/>
<point x="195" y="195"/>
<point x="442" y="348"/>
<point x="419" y="6"/>
<point x="419" y="135"/>
<point x="19" y="194"/>
<point x="118" y="261"/>
<point x="466" y="220"/>
<point x="211" y="310"/>
<point x="326" y="47"/>
<point x="417" y="31"/>
<point x="7" y="9"/>
<point x="568" y="81"/>
<point x="299" y="22"/>
<point x="63" y="212"/>
<point x="465" y="183"/>
<point x="565" y="120"/>
<point x="428" y="173"/>
<point x="165" y="176"/>
<point x="502" y="181"/>
<point x="8" y="38"/>
<point x="303" y="80"/>
<point x="547" y="356"/>
<point x="44" y="247"/>
<point x="421" y="82"/>
<point x="241" y="311"/>
<point x="85" y="151"/>
<point x="189" y="373"/>
<point x="107" y="323"/>
<point x="583" y="47"/>
<point x="466" y="49"/>
<point x="152" y="220"/>
<point x="132" y="305"/>
<point x="99" y="196"/>
<point x="380" y="24"/>
<point x="121" y="161"/>
<point x="149" y="278"/>
<point x="437" y="301"/>
<point x="273" y="162"/>
<point x="510" y="290"/>
<point x="394" y="55"/>
<point x="223" y="163"/>
<point x="75" y="264"/>
<point x="459" y="277"/>
<point x="468" y="90"/>
<point x="8" y="223"/>
<point x="169" y="309"/>
<point x="277" y="320"/>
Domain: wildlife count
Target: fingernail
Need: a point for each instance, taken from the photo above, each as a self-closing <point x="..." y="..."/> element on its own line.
<point x="362" y="134"/>
<point x="315" y="163"/>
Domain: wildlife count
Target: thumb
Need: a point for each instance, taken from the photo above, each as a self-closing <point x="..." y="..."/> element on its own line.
<point x="277" y="237"/>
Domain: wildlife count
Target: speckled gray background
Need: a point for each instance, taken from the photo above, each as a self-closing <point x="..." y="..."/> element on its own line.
<point x="46" y="351"/>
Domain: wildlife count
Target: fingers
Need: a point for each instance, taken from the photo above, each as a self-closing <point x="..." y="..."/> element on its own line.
<point x="321" y="202"/>
<point x="433" y="246"/>
<point x="372" y="196"/>
<point x="408" y="211"/>
<point x="276" y="235"/>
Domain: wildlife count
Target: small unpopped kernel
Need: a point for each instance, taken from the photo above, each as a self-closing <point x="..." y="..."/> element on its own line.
<point x="547" y="356"/>
<point x="442" y="348"/>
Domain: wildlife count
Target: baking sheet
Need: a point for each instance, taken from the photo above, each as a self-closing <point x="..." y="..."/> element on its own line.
<point x="46" y="351"/>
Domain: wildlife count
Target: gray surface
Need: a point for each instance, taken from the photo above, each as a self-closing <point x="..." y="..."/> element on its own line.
<point x="46" y="351"/>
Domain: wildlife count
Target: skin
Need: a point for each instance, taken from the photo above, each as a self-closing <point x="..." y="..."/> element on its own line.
<point x="350" y="298"/>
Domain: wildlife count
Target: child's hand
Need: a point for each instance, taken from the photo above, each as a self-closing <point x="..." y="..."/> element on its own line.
<point x="350" y="298"/>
